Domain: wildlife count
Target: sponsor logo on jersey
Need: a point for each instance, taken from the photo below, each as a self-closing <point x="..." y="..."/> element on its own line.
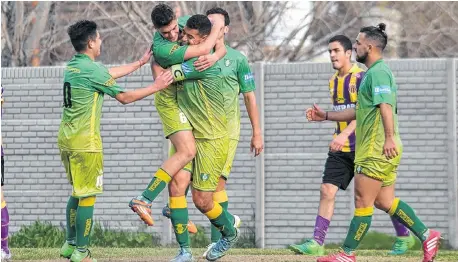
<point x="248" y="77"/>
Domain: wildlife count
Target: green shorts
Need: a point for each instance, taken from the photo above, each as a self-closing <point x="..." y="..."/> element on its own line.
<point x="84" y="172"/>
<point x="188" y="166"/>
<point x="382" y="170"/>
<point x="209" y="162"/>
<point x="173" y="119"/>
<point x="230" y="158"/>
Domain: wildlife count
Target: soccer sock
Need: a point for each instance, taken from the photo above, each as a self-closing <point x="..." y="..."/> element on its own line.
<point x="157" y="184"/>
<point x="72" y="206"/>
<point x="222" y="220"/>
<point x="358" y="228"/>
<point x="84" y="222"/>
<point x="405" y="214"/>
<point x="321" y="228"/>
<point x="401" y="230"/>
<point x="221" y="198"/>
<point x="5" y="222"/>
<point x="179" y="216"/>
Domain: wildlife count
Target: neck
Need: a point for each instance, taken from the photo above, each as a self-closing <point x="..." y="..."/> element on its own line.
<point x="372" y="59"/>
<point x="345" y="69"/>
<point x="91" y="56"/>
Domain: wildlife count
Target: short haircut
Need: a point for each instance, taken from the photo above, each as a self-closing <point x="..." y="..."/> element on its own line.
<point x="218" y="10"/>
<point x="343" y="40"/>
<point x="81" y="32"/>
<point x="201" y="23"/>
<point x="162" y="15"/>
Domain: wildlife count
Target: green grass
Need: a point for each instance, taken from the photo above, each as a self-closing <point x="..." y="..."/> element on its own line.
<point x="264" y="254"/>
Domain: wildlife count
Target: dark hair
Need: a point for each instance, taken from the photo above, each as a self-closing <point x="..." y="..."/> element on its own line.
<point x="162" y="15"/>
<point x="343" y="40"/>
<point x="218" y="10"/>
<point x="81" y="32"/>
<point x="376" y="33"/>
<point x="201" y="23"/>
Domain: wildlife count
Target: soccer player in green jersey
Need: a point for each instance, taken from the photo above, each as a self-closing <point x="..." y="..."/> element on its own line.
<point x="79" y="141"/>
<point x="201" y="98"/>
<point x="237" y="78"/>
<point x="378" y="150"/>
<point x="168" y="51"/>
<point x="339" y="167"/>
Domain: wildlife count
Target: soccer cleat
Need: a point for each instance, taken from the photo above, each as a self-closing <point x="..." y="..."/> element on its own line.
<point x="431" y="246"/>
<point x="341" y="256"/>
<point x="222" y="246"/>
<point x="6" y="255"/>
<point x="309" y="247"/>
<point x="66" y="250"/>
<point x="143" y="210"/>
<point x="192" y="228"/>
<point x="208" y="249"/>
<point x="79" y="256"/>
<point x="402" y="244"/>
<point x="184" y="256"/>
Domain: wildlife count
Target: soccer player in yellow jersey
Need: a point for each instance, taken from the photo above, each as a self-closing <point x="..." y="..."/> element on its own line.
<point x="79" y="140"/>
<point x="378" y="150"/>
<point x="168" y="51"/>
<point x="339" y="167"/>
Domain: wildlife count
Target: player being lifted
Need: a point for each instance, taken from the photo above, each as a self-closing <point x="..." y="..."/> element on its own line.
<point x="378" y="149"/>
<point x="201" y="98"/>
<point x="167" y="51"/>
<point x="339" y="167"/>
<point x="79" y="140"/>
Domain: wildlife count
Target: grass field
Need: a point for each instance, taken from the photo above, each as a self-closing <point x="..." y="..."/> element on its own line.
<point x="236" y="255"/>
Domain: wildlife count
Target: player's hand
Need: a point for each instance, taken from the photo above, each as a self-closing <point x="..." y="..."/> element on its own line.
<point x="338" y="142"/>
<point x="256" y="145"/>
<point x="389" y="148"/>
<point x="163" y="80"/>
<point x="146" y="57"/>
<point x="315" y="113"/>
<point x="205" y="62"/>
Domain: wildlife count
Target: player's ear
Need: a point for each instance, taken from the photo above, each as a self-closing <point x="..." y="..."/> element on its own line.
<point x="226" y="29"/>
<point x="348" y="53"/>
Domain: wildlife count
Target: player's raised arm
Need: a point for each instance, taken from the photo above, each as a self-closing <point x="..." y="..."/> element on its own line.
<point x="120" y="71"/>
<point x="163" y="80"/>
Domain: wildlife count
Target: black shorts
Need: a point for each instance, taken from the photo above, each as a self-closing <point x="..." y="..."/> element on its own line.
<point x="339" y="169"/>
<point x="3" y="168"/>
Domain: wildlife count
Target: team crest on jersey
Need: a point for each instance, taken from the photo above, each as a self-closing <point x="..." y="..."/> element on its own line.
<point x="352" y="85"/>
<point x="174" y="48"/>
<point x="227" y="62"/>
<point x="179" y="229"/>
<point x="204" y="176"/>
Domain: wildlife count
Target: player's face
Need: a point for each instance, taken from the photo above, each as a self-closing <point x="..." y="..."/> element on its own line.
<point x="96" y="45"/>
<point x="339" y="57"/>
<point x="170" y="31"/>
<point x="361" y="48"/>
<point x="192" y="36"/>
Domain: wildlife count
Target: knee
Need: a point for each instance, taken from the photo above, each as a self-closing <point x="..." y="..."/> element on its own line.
<point x="384" y="205"/>
<point x="202" y="203"/>
<point x="328" y="192"/>
<point x="188" y="150"/>
<point x="177" y="187"/>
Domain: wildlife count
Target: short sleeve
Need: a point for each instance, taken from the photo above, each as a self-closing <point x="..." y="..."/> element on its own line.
<point x="102" y="81"/>
<point x="245" y="76"/>
<point x="383" y="90"/>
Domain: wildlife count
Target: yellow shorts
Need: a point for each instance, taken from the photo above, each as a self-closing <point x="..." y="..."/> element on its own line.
<point x="188" y="166"/>
<point x="84" y="172"/>
<point x="230" y="158"/>
<point x="209" y="162"/>
<point x="379" y="170"/>
<point x="173" y="119"/>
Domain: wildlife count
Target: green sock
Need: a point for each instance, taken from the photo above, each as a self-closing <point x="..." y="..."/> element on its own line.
<point x="406" y="215"/>
<point x="84" y="222"/>
<point x="157" y="184"/>
<point x="222" y="220"/>
<point x="72" y="206"/>
<point x="221" y="198"/>
<point x="359" y="226"/>
<point x="179" y="216"/>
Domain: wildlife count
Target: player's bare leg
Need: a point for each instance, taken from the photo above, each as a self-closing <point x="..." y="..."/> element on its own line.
<point x="185" y="152"/>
